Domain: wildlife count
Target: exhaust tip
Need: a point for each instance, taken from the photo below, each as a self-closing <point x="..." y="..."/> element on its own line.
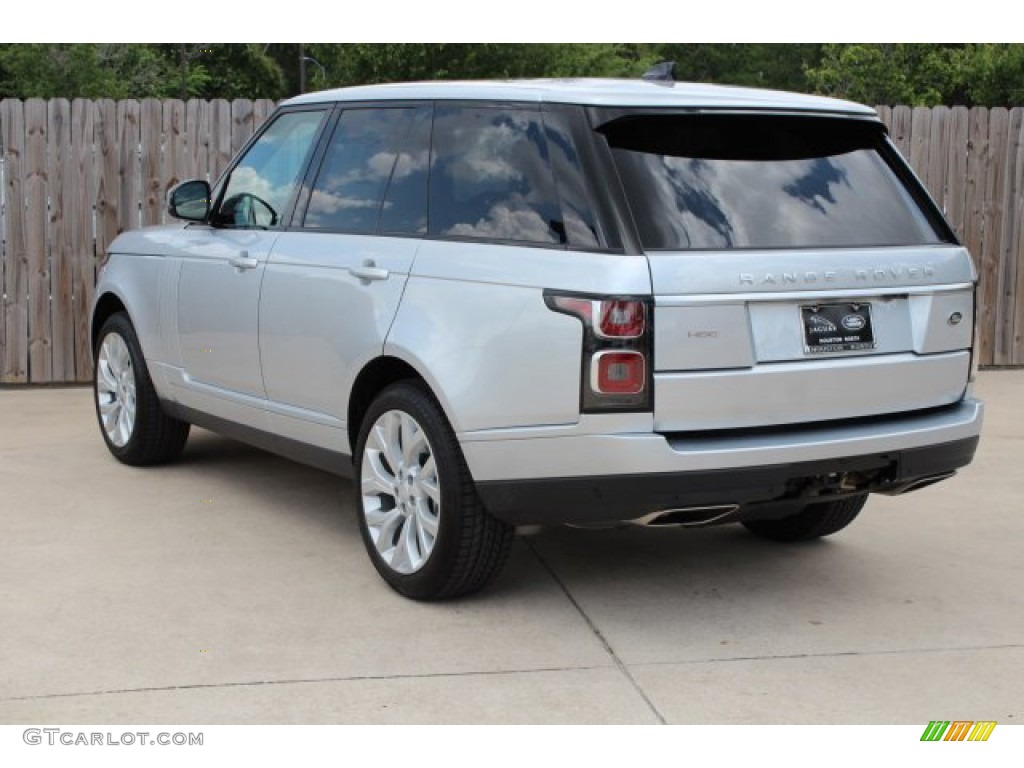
<point x="688" y="517"/>
<point x="916" y="485"/>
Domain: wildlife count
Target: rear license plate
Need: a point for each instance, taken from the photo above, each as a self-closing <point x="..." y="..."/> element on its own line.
<point x="837" y="327"/>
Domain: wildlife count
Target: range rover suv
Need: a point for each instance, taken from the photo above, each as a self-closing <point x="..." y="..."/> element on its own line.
<point x="496" y="304"/>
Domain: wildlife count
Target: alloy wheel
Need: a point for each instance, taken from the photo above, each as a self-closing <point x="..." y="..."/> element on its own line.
<point x="115" y="389"/>
<point x="401" y="492"/>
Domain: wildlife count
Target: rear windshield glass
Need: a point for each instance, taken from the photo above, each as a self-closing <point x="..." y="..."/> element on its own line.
<point x="726" y="181"/>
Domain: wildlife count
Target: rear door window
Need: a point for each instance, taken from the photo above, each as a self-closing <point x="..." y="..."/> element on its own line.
<point x="727" y="181"/>
<point x="360" y="160"/>
<point x="405" y="205"/>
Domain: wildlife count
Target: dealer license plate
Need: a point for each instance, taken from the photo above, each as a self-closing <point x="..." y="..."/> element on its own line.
<point x="837" y="327"/>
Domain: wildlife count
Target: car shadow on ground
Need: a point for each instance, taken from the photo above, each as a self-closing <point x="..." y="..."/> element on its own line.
<point x="719" y="563"/>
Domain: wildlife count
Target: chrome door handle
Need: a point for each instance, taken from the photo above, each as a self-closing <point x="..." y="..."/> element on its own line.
<point x="369" y="271"/>
<point x="244" y="261"/>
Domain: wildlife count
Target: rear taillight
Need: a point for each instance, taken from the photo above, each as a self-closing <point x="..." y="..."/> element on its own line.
<point x="618" y="373"/>
<point x="621" y="319"/>
<point x="616" y="353"/>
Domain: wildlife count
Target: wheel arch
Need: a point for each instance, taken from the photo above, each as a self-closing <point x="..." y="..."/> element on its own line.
<point x="374" y="378"/>
<point x="107" y="305"/>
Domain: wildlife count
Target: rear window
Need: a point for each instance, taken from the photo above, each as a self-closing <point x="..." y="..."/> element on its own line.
<point x="727" y="181"/>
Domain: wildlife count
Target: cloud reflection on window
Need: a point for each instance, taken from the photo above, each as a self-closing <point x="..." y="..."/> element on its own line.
<point x="359" y="162"/>
<point x="492" y="177"/>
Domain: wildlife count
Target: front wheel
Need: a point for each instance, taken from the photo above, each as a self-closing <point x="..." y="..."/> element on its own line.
<point x="132" y="422"/>
<point x="812" y="522"/>
<point x="423" y="524"/>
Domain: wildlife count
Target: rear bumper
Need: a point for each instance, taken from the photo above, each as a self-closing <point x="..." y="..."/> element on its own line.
<point x="600" y="478"/>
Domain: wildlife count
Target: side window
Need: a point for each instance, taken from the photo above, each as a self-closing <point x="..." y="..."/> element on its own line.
<point x="578" y="213"/>
<point x="260" y="187"/>
<point x="359" y="162"/>
<point x="491" y="176"/>
<point x="405" y="205"/>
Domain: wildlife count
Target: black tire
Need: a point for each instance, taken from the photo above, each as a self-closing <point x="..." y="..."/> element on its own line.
<point x="812" y="522"/>
<point x="155" y="436"/>
<point x="470" y="547"/>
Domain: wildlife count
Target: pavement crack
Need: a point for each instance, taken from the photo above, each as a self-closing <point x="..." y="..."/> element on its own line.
<point x="832" y="654"/>
<point x="299" y="681"/>
<point x="597" y="632"/>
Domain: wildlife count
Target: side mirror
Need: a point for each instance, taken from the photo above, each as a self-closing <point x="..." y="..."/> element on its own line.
<point x="190" y="200"/>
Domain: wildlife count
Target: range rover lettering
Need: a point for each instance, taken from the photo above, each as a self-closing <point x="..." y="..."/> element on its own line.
<point x="500" y="304"/>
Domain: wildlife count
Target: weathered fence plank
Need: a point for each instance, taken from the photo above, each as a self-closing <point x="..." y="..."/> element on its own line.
<point x="1014" y="234"/>
<point x="261" y="110"/>
<point x="40" y="356"/>
<point x="220" y="138"/>
<point x="920" y="131"/>
<point x="241" y="123"/>
<point x="1001" y="228"/>
<point x="956" y="168"/>
<point x="107" y="158"/>
<point x="885" y="115"/>
<point x="15" y="363"/>
<point x="197" y="138"/>
<point x="998" y="128"/>
<point x="938" y="154"/>
<point x="974" y="225"/>
<point x="902" y="118"/>
<point x="176" y="165"/>
<point x="130" y="177"/>
<point x="61" y="245"/>
<point x="80" y="229"/>
<point x="152" y="180"/>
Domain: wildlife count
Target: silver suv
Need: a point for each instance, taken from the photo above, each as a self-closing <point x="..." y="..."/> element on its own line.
<point x="497" y="304"/>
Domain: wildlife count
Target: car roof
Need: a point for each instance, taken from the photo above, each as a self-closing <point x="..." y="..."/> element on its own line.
<point x="599" y="92"/>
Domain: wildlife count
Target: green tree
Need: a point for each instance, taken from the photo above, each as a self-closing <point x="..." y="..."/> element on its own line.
<point x="225" y="70"/>
<point x="896" y="73"/>
<point x="122" y="71"/>
<point x="82" y="70"/>
<point x="362" y="63"/>
<point x="900" y="73"/>
<point x="994" y="74"/>
<point x="761" y="65"/>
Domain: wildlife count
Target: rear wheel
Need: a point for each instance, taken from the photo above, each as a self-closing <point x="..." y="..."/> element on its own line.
<point x="812" y="522"/>
<point x="132" y="422"/>
<point x="423" y="524"/>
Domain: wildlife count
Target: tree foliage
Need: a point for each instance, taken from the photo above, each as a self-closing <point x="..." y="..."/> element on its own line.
<point x="83" y="70"/>
<point x="922" y="74"/>
<point x="917" y="74"/>
<point x="761" y="65"/>
<point x="898" y="73"/>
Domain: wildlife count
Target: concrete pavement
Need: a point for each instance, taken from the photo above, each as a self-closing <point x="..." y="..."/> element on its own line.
<point x="232" y="587"/>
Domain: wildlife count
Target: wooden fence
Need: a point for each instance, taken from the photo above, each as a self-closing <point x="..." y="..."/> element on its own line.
<point x="75" y="174"/>
<point x="972" y="162"/>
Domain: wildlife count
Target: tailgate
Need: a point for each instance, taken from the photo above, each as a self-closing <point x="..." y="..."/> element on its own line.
<point x="747" y="338"/>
